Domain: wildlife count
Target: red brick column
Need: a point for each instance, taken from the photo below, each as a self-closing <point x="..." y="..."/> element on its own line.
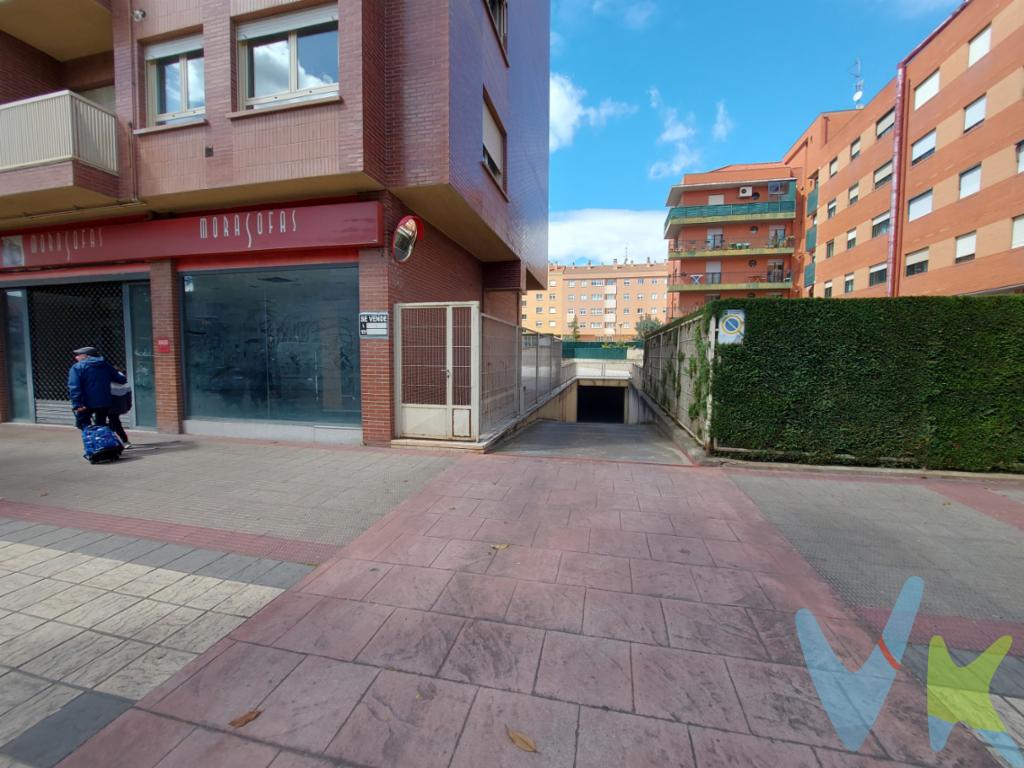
<point x="376" y="355"/>
<point x="165" y="295"/>
<point x="5" y="395"/>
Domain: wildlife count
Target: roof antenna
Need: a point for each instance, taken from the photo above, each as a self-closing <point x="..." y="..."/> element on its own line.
<point x="858" y="84"/>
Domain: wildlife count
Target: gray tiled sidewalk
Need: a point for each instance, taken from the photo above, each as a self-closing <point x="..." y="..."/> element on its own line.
<point x="91" y="622"/>
<point x="322" y="495"/>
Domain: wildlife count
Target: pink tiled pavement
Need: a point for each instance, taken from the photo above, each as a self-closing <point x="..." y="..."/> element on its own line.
<point x="618" y="615"/>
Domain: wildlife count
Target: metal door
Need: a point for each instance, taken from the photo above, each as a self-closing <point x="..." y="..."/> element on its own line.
<point x="437" y="390"/>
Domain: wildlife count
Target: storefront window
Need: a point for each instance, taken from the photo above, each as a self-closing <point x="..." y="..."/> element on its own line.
<point x="17" y="355"/>
<point x="143" y="378"/>
<point x="280" y="345"/>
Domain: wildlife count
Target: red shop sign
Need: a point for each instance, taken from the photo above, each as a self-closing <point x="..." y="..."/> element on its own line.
<point x="163" y="346"/>
<point x="347" y="225"/>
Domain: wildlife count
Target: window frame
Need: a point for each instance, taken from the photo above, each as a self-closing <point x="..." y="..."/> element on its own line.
<point x="828" y="289"/>
<point x="830" y="208"/>
<point x="1017" y="232"/>
<point x="891" y="117"/>
<point x="833" y="166"/>
<point x="851" y="242"/>
<point x="915" y="259"/>
<point x="983" y="99"/>
<point x="926" y="195"/>
<point x="1020" y="156"/>
<point x="933" y="133"/>
<point x="987" y="34"/>
<point x="960" y="185"/>
<point x="849" y="282"/>
<point x="880" y="224"/>
<point x="284" y="26"/>
<point x="855" y="149"/>
<point x="182" y="50"/>
<point x="878" y="269"/>
<point x="499" y="176"/>
<point x="879" y="183"/>
<point x="499" y="23"/>
<point x="851" y="199"/>
<point x="830" y="249"/>
<point x="927" y="96"/>
<point x="959" y="258"/>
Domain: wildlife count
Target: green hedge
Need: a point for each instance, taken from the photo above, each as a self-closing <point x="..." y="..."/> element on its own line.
<point x="930" y="382"/>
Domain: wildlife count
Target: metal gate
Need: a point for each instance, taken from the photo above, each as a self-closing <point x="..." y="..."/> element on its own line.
<point x="437" y="392"/>
<point x="63" y="318"/>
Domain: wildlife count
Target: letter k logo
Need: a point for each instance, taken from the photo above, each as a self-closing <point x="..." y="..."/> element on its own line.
<point x="853" y="700"/>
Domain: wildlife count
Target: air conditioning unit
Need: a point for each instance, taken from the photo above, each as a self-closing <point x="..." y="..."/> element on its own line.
<point x="746" y="191"/>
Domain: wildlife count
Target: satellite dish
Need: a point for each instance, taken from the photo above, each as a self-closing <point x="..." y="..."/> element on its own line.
<point x="858" y="95"/>
<point x="406" y="234"/>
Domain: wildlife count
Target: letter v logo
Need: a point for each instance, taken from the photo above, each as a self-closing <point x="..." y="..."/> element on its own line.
<point x="853" y="700"/>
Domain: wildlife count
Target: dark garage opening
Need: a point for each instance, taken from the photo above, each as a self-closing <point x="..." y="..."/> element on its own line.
<point x="605" y="405"/>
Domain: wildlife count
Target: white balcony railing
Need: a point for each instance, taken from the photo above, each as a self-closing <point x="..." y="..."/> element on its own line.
<point x="55" y="127"/>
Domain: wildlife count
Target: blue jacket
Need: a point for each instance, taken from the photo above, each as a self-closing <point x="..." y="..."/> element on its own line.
<point x="89" y="382"/>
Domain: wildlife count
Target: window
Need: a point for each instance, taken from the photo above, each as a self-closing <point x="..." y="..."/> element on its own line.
<point x="595" y="325"/>
<point x="596" y="297"/>
<point x="625" y="282"/>
<point x="851" y="238"/>
<point x="551" y="323"/>
<point x="627" y="325"/>
<point x="885" y="123"/>
<point x="883" y="174"/>
<point x="289" y="58"/>
<point x="970" y="181"/>
<point x="540" y="297"/>
<point x="572" y="283"/>
<point x="539" y="324"/>
<point x="524" y="302"/>
<point x="979" y="46"/>
<point x="597" y="282"/>
<point x="854" y="193"/>
<point x="828" y="289"/>
<point x="917" y="262"/>
<point x="175" y="78"/>
<point x="654" y="310"/>
<point x="572" y="297"/>
<point x="571" y="311"/>
<point x="848" y="283"/>
<point x="855" y="148"/>
<point x="830" y="249"/>
<point x="654" y="297"/>
<point x="639" y="297"/>
<point x="625" y="310"/>
<point x="540" y="310"/>
<point x="974" y="113"/>
<point x="919" y="206"/>
<point x="877" y="274"/>
<point x="552" y="283"/>
<point x="922" y="148"/>
<point x="494" y="145"/>
<point x="880" y="224"/>
<point x="639" y="281"/>
<point x="654" y="280"/>
<point x="524" y="317"/>
<point x="625" y="297"/>
<point x="1017" y="236"/>
<point x="499" y="17"/>
<point x="230" y="325"/>
<point x="833" y="166"/>
<point x="552" y="310"/>
<point x="609" y="325"/>
<point x="965" y="247"/>
<point x="552" y="296"/>
<point x="831" y="208"/>
<point x="716" y="199"/>
<point x="583" y="311"/>
<point x="1020" y="157"/>
<point x="926" y="90"/>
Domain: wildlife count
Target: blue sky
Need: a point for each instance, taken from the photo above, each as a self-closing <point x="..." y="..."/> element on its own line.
<point x="643" y="91"/>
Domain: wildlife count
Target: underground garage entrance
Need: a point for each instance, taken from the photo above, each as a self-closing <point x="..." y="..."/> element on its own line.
<point x="601" y="404"/>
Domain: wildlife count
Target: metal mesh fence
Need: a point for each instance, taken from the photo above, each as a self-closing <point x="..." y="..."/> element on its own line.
<point x="541" y="365"/>
<point x="499" y="367"/>
<point x="424" y="353"/>
<point x="668" y="373"/>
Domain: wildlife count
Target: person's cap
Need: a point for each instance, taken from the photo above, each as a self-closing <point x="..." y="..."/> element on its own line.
<point x="90" y="351"/>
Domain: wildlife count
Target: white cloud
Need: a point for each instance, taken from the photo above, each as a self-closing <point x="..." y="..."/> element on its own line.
<point x="568" y="111"/>
<point x="603" y="234"/>
<point x="634" y="13"/>
<point x="723" y="123"/>
<point x="677" y="133"/>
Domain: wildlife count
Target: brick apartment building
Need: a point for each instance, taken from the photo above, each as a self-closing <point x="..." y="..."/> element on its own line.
<point x="921" y="192"/>
<point x="605" y="300"/>
<point x="208" y="191"/>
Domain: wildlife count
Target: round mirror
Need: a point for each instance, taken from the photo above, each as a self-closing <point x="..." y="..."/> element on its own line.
<point x="406" y="234"/>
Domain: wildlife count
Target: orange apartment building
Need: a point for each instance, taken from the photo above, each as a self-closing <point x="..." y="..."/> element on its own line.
<point x="605" y="300"/>
<point x="921" y="192"/>
<point x="731" y="235"/>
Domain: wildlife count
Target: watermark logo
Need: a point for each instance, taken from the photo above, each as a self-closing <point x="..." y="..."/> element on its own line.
<point x="853" y="700"/>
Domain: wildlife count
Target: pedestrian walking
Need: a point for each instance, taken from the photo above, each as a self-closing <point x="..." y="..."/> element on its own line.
<point x="89" y="383"/>
<point x="120" y="404"/>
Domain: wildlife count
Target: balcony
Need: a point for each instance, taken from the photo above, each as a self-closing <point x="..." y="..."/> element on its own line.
<point x="812" y="202"/>
<point x="719" y="246"/>
<point x="736" y="280"/>
<point x="811" y="241"/>
<point x="57" y="151"/>
<point x="689" y="215"/>
<point x="809" y="275"/>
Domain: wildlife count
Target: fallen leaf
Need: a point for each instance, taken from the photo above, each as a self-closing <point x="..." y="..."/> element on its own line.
<point x="521" y="740"/>
<point x="499" y="546"/>
<point x="245" y="719"/>
<point x="45" y="493"/>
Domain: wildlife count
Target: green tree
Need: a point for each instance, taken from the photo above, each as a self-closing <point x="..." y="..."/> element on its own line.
<point x="646" y="326"/>
<point x="575" y="329"/>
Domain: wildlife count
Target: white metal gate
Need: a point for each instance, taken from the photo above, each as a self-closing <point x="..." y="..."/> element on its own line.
<point x="436" y="363"/>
